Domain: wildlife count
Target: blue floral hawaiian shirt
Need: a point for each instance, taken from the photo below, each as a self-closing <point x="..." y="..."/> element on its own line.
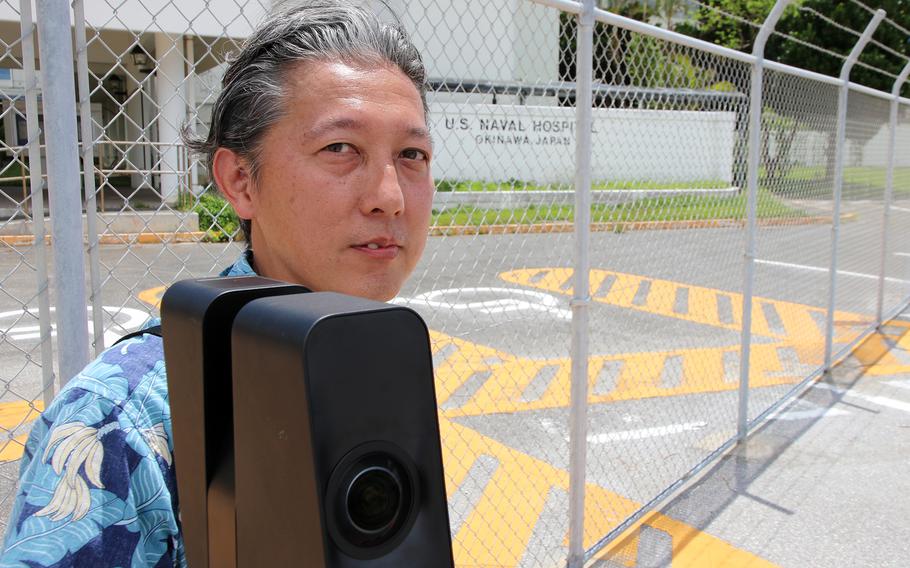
<point x="97" y="486"/>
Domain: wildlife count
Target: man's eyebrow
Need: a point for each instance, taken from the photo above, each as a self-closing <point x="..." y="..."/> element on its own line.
<point x="343" y="123"/>
<point x="334" y="124"/>
<point x="420" y="132"/>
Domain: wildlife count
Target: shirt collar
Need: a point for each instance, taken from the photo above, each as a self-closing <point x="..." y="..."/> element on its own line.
<point x="243" y="266"/>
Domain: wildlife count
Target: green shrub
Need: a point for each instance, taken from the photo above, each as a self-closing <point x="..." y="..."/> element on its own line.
<point x="217" y="218"/>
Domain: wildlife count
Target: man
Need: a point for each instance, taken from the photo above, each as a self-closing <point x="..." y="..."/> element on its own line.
<point x="319" y="140"/>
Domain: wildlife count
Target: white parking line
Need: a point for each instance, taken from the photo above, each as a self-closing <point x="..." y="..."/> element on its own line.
<point x="905" y="384"/>
<point x="118" y="321"/>
<point x="508" y="300"/>
<point x="902" y="254"/>
<point x="627" y="435"/>
<point x="826" y="270"/>
<point x="879" y="400"/>
<point x="805" y="410"/>
<point x="901" y="209"/>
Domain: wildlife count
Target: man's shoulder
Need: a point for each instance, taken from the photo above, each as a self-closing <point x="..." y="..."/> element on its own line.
<point x="130" y="375"/>
<point x="97" y="472"/>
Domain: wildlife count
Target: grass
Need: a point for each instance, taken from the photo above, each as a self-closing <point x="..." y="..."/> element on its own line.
<point x="219" y="221"/>
<point x="658" y="209"/>
<point x="859" y="181"/>
<point x="518" y="185"/>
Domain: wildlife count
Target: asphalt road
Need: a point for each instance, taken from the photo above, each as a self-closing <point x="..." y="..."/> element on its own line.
<point x="664" y="334"/>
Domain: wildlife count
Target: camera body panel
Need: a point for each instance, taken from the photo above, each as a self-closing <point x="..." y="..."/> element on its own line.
<point x="320" y="381"/>
<point x="328" y="402"/>
<point x="197" y="316"/>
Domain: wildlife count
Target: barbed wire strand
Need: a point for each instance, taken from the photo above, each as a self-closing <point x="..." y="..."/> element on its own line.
<point x="812" y="46"/>
<point x="889" y="50"/>
<point x="878" y="70"/>
<point x="805" y="43"/>
<point x="888" y="20"/>
<point x="898" y="27"/>
<point x="863" y="6"/>
<point x="739" y="19"/>
<point x="829" y="21"/>
<point x="758" y="26"/>
<point x="855" y="33"/>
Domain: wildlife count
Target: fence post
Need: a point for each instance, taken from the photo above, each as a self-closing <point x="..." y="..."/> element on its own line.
<point x="581" y="297"/>
<point x="889" y="189"/>
<point x="56" y="51"/>
<point x="755" y="112"/>
<point x="839" y="176"/>
<point x="88" y="177"/>
<point x="36" y="182"/>
<point x="189" y="52"/>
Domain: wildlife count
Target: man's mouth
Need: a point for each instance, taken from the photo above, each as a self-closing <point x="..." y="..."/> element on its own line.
<point x="379" y="248"/>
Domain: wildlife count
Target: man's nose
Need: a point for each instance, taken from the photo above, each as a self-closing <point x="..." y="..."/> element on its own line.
<point x="385" y="196"/>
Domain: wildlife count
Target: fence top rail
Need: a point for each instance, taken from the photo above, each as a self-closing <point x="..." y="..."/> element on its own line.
<point x="876" y="93"/>
<point x="701" y="45"/>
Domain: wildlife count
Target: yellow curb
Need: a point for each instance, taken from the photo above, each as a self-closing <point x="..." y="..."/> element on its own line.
<point x="151" y="238"/>
<point x="116" y="238"/>
<point x="568" y="227"/>
<point x="464" y="230"/>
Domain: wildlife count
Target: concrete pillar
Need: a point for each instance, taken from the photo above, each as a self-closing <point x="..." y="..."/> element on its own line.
<point x="139" y="101"/>
<point x="9" y="125"/>
<point x="169" y="99"/>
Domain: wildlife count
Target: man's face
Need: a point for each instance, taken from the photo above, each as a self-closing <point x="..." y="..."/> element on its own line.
<point x="343" y="196"/>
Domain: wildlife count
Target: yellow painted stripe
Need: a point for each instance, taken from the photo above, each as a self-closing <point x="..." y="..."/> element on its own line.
<point x="640" y="376"/>
<point x="498" y="530"/>
<point x="877" y="353"/>
<point x="12" y="416"/>
<point x="797" y="319"/>
<point x="13" y="449"/>
<point x="152" y="296"/>
<point x="691" y="548"/>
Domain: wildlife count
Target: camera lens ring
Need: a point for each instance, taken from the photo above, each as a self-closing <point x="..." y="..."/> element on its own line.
<point x="348" y="537"/>
<point x="358" y="477"/>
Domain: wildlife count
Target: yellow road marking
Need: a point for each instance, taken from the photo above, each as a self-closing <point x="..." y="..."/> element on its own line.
<point x="515" y="496"/>
<point x="656" y="296"/>
<point x="512" y="520"/>
<point x="152" y="296"/>
<point x="12" y="416"/>
<point x="702" y="371"/>
<point x="691" y="548"/>
<point x="13" y="449"/>
<point x="885" y="352"/>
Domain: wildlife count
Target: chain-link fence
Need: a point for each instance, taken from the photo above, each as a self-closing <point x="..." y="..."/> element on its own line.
<point x="683" y="204"/>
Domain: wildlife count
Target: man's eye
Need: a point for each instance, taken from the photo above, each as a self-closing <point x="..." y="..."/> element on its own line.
<point x="414" y="154"/>
<point x="339" y="148"/>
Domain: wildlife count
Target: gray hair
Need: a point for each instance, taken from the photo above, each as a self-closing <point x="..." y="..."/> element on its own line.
<point x="253" y="88"/>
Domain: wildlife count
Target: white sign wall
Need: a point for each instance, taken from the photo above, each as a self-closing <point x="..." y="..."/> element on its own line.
<point x="536" y="143"/>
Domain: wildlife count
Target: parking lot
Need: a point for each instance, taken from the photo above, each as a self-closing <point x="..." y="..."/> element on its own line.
<point x="666" y="315"/>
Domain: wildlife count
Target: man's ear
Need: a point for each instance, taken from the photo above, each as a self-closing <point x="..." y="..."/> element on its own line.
<point x="232" y="174"/>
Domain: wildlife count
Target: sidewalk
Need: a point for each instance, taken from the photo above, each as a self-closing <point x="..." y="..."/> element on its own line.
<point x="824" y="484"/>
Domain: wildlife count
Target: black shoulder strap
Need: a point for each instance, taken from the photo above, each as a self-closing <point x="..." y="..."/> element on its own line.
<point x="154" y="330"/>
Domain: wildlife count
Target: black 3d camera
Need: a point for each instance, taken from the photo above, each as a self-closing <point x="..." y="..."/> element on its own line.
<point x="305" y="428"/>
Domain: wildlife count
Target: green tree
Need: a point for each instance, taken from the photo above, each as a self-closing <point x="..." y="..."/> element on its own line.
<point x="784" y="115"/>
<point x="625" y="59"/>
<point x="800" y="21"/>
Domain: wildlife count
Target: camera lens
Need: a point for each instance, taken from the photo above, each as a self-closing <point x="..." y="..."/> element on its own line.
<point x="374" y="499"/>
